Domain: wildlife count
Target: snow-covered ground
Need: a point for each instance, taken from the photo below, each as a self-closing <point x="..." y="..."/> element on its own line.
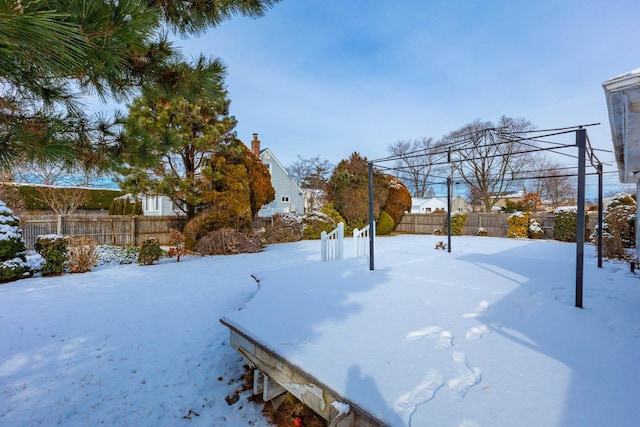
<point x="484" y="336"/>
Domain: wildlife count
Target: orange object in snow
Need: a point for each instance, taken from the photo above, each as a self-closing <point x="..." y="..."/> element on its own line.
<point x="297" y="421"/>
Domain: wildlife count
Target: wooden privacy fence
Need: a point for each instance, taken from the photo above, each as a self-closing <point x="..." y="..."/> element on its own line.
<point x="494" y="223"/>
<point x="104" y="230"/>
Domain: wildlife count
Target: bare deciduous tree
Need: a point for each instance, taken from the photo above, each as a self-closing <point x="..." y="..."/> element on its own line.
<point x="551" y="181"/>
<point x="312" y="175"/>
<point x="62" y="200"/>
<point x="414" y="165"/>
<point x="490" y="156"/>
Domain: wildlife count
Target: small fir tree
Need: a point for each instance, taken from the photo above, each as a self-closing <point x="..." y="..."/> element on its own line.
<point x="13" y="250"/>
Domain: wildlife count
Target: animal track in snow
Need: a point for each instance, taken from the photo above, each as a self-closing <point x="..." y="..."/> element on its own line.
<point x="468" y="376"/>
<point x="481" y="308"/>
<point x="406" y="404"/>
<point x="424" y="332"/>
<point x="446" y="340"/>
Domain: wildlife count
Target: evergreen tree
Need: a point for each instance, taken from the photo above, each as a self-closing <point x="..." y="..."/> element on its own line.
<point x="169" y="138"/>
<point x="50" y="48"/>
<point x="348" y="190"/>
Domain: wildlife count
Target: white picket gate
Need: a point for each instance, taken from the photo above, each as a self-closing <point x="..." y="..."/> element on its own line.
<point x="361" y="240"/>
<point x="333" y="244"/>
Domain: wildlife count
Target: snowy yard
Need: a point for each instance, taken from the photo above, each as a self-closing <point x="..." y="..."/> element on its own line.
<point x="486" y="335"/>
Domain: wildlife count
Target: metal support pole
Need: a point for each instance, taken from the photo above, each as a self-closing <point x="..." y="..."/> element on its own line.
<point x="371" y="220"/>
<point x="581" y="142"/>
<point x="600" y="209"/>
<point x="449" y="185"/>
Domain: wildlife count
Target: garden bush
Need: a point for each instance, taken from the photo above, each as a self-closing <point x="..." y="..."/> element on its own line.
<point x="565" y="224"/>
<point x="458" y="220"/>
<point x="618" y="228"/>
<point x="13" y="260"/>
<point x="118" y="255"/>
<point x="314" y="223"/>
<point x="399" y="199"/>
<point x="227" y="241"/>
<point x="385" y="224"/>
<point x="518" y="223"/>
<point x="150" y="252"/>
<point x="54" y="249"/>
<point x="176" y="242"/>
<point x="481" y="231"/>
<point x="535" y="229"/>
<point x="82" y="254"/>
<point x="284" y="227"/>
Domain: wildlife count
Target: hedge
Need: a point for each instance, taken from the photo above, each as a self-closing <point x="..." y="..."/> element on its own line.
<point x="98" y="198"/>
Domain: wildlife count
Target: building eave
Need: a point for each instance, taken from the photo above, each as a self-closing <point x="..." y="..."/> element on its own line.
<point x="623" y="104"/>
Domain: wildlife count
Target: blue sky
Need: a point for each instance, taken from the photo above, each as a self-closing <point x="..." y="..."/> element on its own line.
<point x="330" y="77"/>
<point x="335" y="76"/>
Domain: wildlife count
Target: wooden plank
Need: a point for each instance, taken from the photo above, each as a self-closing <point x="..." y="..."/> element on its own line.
<point x="294" y="380"/>
<point x="271" y="389"/>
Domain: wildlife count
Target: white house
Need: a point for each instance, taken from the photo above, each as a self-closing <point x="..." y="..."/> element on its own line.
<point x="623" y="103"/>
<point x="289" y="196"/>
<point x="159" y="205"/>
<point x="427" y="205"/>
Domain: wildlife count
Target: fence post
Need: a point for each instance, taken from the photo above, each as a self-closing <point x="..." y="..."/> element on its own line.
<point x="323" y="243"/>
<point x="134" y="231"/>
<point x="356" y="242"/>
<point x="340" y="240"/>
<point x="59" y="226"/>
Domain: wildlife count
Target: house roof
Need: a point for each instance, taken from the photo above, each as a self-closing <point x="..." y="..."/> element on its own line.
<point x="271" y="156"/>
<point x="623" y="103"/>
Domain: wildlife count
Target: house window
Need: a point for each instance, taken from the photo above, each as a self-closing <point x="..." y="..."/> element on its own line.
<point x="427" y="210"/>
<point x="285" y="199"/>
<point x="157" y="202"/>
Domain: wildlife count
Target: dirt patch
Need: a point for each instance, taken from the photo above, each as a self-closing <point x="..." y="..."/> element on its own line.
<point x="291" y="409"/>
<point x="286" y="415"/>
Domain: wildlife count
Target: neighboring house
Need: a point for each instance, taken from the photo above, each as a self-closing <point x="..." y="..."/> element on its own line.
<point x="501" y="200"/>
<point x="458" y="204"/>
<point x="314" y="199"/>
<point x="159" y="206"/>
<point x="289" y="196"/>
<point x="427" y="205"/>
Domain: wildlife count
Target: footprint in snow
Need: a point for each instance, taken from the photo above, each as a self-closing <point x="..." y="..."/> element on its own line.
<point x="477" y="332"/>
<point x="481" y="308"/>
<point x="407" y="403"/>
<point x="424" y="332"/>
<point x="468" y="376"/>
<point x="446" y="340"/>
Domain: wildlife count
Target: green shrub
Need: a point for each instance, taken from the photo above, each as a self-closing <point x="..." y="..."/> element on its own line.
<point x="458" y="220"/>
<point x="565" y="224"/>
<point x="98" y="198"/>
<point x="619" y="227"/>
<point x="518" y="223"/>
<point x="314" y="223"/>
<point x="535" y="229"/>
<point x="385" y="224"/>
<point x="54" y="249"/>
<point x="150" y="251"/>
<point x="13" y="258"/>
<point x="123" y="206"/>
<point x="330" y="211"/>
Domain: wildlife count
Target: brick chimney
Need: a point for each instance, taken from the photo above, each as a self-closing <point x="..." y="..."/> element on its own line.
<point x="255" y="145"/>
